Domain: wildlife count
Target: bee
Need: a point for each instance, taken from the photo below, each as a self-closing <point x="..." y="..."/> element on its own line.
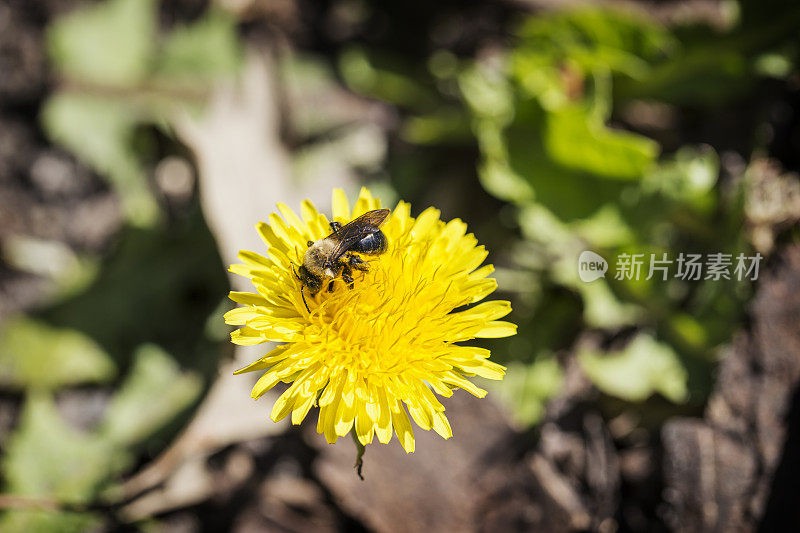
<point x="335" y="255"/>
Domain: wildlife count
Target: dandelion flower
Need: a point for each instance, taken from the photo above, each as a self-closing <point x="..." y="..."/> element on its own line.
<point x="366" y="355"/>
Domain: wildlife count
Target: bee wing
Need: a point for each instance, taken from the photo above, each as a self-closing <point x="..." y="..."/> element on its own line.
<point x="355" y="230"/>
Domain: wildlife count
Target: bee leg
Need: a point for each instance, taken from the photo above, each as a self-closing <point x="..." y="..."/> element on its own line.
<point x="335" y="226"/>
<point x="356" y="262"/>
<point x="330" y="286"/>
<point x="309" y="243"/>
<point x="347" y="275"/>
<point x="349" y="280"/>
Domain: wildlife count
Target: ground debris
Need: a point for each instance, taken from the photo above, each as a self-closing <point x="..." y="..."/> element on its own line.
<point x="730" y="470"/>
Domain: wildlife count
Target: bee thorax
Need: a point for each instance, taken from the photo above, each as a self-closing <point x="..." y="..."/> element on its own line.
<point x="316" y="255"/>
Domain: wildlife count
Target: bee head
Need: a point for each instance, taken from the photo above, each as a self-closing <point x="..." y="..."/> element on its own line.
<point x="311" y="281"/>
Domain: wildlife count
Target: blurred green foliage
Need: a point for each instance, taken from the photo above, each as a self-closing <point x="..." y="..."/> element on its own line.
<point x="27" y="346"/>
<point x="118" y="75"/>
<point x="581" y="185"/>
<point x="528" y="386"/>
<point x="545" y="114"/>
<point x="172" y="275"/>
<point x="170" y="281"/>
<point x="153" y="393"/>
<point x="634" y="373"/>
<point x="110" y="43"/>
<point x="48" y="458"/>
<point x="134" y="325"/>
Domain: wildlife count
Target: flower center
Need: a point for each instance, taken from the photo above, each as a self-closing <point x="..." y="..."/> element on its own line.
<point x="389" y="315"/>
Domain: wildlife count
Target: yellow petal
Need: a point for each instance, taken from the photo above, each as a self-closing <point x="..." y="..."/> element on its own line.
<point x="421" y="416"/>
<point x="265" y="383"/>
<point x="484" y="369"/>
<point x="283" y="406"/>
<point x="345" y="415"/>
<point x="403" y="429"/>
<point x="365" y="428"/>
<point x="254" y="259"/>
<point x="300" y="412"/>
<point x="308" y="211"/>
<point x="271" y="239"/>
<point x="267" y="361"/>
<point x="465" y="384"/>
<point x="247" y="298"/>
<point x="425" y="223"/>
<point x="292" y="218"/>
<point x="241" y="270"/>
<point x="341" y="207"/>
<point x="497" y="329"/>
<point x="240" y="315"/>
<point x="442" y="426"/>
<point x="247" y="336"/>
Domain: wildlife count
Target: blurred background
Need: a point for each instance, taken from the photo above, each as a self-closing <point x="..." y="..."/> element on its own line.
<point x="141" y="140"/>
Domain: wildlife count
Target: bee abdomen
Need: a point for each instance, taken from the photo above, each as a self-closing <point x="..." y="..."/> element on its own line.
<point x="374" y="243"/>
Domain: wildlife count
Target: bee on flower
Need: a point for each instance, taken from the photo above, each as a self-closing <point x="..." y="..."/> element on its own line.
<point x="377" y="336"/>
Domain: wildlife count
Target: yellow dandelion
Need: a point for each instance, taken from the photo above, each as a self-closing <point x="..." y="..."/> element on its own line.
<point x="367" y="354"/>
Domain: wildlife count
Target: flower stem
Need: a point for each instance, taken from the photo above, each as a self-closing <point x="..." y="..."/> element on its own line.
<point x="359" y="454"/>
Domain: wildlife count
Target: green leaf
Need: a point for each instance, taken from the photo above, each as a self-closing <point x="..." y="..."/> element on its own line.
<point x="48" y="522"/>
<point x="205" y="50"/>
<point x="607" y="228"/>
<point x="500" y="180"/>
<point x="568" y="191"/>
<point x="562" y="245"/>
<point x="558" y="50"/>
<point x="33" y="354"/>
<point x="109" y="43"/>
<point x="687" y="176"/>
<point x="526" y="388"/>
<point x="488" y="94"/>
<point x="99" y="130"/>
<point x="602" y="309"/>
<point x="109" y="53"/>
<point x="579" y="140"/>
<point x="96" y="129"/>
<point x="386" y="78"/>
<point x="52" y="259"/>
<point x="47" y="458"/>
<point x="645" y="366"/>
<point x="599" y="35"/>
<point x="156" y="284"/>
<point x="153" y="394"/>
<point x="445" y="126"/>
<point x="704" y="76"/>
